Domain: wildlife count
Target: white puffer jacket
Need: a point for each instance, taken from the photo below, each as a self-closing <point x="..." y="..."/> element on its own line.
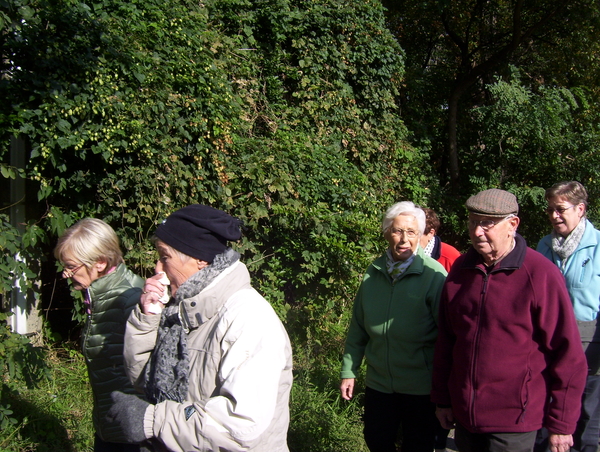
<point x="240" y="370"/>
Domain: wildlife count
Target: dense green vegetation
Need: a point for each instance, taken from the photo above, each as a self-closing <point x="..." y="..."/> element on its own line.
<point x="306" y="119"/>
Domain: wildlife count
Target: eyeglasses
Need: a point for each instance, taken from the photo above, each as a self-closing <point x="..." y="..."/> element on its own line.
<point x="410" y="233"/>
<point x="558" y="210"/>
<point x="70" y="272"/>
<point x="486" y="225"/>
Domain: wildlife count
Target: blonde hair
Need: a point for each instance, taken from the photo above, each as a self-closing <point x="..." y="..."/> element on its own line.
<point x="88" y="241"/>
<point x="574" y="191"/>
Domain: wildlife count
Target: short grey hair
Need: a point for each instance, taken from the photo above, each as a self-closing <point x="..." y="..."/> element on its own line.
<point x="404" y="208"/>
<point x="183" y="258"/>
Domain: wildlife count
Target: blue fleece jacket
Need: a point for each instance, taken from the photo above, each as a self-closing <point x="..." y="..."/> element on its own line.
<point x="581" y="271"/>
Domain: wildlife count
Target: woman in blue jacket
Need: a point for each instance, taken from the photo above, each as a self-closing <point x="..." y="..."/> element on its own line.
<point x="573" y="247"/>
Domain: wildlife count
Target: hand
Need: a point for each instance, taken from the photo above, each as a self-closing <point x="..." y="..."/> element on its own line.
<point x="347" y="388"/>
<point x="559" y="443"/>
<point x="153" y="290"/>
<point x="128" y="412"/>
<point x="446" y="417"/>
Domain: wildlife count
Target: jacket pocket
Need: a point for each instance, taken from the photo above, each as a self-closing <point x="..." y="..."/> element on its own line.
<point x="524" y="395"/>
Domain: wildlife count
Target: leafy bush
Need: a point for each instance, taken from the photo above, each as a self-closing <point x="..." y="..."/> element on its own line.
<point x="21" y="364"/>
<point x="282" y="112"/>
<point x="532" y="139"/>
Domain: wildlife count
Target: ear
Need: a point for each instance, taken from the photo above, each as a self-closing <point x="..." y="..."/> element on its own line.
<point x="100" y="266"/>
<point x="201" y="264"/>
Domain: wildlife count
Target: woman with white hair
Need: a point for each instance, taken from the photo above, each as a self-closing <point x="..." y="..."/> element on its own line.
<point x="394" y="327"/>
<point x="91" y="258"/>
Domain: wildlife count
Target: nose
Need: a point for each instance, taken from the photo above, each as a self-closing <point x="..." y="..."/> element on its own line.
<point x="158" y="267"/>
<point x="479" y="231"/>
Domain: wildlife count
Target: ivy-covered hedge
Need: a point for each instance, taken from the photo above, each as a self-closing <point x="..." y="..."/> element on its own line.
<point x="280" y="112"/>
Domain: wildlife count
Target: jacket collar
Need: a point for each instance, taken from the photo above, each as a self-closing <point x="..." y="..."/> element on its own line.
<point x="198" y="309"/>
<point x="416" y="267"/>
<point x="101" y="288"/>
<point x="436" y="252"/>
<point x="589" y="237"/>
<point x="511" y="261"/>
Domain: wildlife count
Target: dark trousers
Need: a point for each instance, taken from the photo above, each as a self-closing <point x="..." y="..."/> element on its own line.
<point x="585" y="438"/>
<point x="103" y="446"/>
<point x="493" y="442"/>
<point x="385" y="414"/>
<point x="441" y="436"/>
<point x="588" y="426"/>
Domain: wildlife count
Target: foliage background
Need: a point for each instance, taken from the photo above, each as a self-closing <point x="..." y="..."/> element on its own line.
<point x="304" y="118"/>
<point x="282" y="113"/>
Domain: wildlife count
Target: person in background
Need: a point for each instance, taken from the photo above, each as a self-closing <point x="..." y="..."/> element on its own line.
<point x="442" y="252"/>
<point x="445" y="254"/>
<point x="394" y="327"/>
<point x="508" y="358"/>
<point x="574" y="246"/>
<point x="91" y="258"/>
<point x="215" y="361"/>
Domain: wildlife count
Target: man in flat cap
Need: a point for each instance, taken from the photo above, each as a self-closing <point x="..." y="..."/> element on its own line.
<point x="213" y="359"/>
<point x="508" y="358"/>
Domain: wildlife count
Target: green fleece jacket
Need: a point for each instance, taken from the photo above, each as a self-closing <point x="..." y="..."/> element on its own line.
<point x="394" y="326"/>
<point x="113" y="297"/>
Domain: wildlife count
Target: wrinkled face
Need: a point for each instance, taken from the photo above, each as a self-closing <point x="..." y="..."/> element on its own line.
<point x="81" y="277"/>
<point x="177" y="271"/>
<point x="563" y="215"/>
<point x="403" y="236"/>
<point x="491" y="244"/>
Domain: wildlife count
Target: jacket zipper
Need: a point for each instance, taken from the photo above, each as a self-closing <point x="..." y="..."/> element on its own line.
<point x="476" y="348"/>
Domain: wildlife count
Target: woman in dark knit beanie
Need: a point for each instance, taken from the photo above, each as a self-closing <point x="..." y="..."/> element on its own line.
<point x="214" y="361"/>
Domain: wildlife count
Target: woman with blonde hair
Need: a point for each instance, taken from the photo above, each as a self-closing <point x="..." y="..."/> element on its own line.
<point x="573" y="245"/>
<point x="92" y="260"/>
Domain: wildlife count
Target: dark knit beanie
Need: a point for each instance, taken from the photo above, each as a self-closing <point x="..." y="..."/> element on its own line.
<point x="199" y="231"/>
<point x="493" y="203"/>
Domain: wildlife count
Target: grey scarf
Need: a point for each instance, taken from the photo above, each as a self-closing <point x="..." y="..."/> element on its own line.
<point x="565" y="247"/>
<point x="167" y="374"/>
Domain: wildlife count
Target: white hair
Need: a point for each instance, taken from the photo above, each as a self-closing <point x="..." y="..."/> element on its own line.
<point x="404" y="208"/>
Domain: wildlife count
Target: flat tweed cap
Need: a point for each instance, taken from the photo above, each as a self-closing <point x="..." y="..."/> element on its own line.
<point x="493" y="203"/>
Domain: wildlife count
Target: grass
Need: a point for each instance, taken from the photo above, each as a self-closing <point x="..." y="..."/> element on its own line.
<point x="56" y="415"/>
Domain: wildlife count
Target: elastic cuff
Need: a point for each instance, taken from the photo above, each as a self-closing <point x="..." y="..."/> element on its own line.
<point x="149" y="421"/>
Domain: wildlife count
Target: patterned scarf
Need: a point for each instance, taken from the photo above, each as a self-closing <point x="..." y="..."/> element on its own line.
<point x="167" y="373"/>
<point x="565" y="247"/>
<point x="429" y="247"/>
<point x="396" y="268"/>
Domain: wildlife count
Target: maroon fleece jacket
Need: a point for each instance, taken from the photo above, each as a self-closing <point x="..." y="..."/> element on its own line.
<point x="508" y="357"/>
